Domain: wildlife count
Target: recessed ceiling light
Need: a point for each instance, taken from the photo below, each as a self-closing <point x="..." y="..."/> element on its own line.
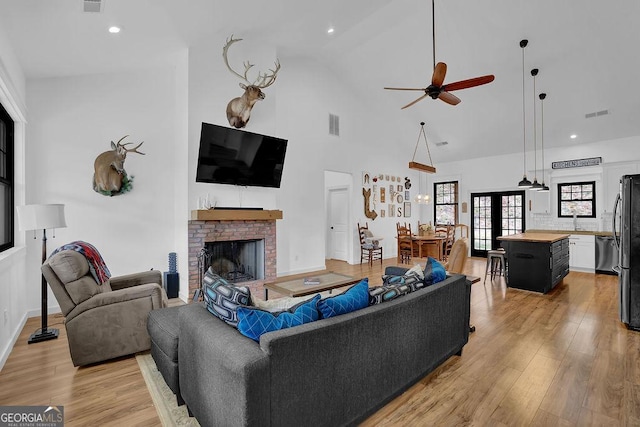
<point x="114" y="30"/>
<point x="573" y="136"/>
<point x="330" y="30"/>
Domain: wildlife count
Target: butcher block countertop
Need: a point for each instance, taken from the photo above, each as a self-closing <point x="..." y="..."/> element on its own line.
<point x="535" y="237"/>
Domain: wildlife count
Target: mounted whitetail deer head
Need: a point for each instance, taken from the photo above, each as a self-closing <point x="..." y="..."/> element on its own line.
<point x="239" y="109"/>
<point x="109" y="176"/>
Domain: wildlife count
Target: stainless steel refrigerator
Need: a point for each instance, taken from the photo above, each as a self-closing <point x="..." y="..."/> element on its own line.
<point x="626" y="219"/>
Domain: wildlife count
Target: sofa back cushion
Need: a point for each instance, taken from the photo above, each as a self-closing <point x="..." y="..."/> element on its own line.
<point x="71" y="268"/>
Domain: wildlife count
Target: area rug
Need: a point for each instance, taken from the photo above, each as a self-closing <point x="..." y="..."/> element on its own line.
<point x="164" y="400"/>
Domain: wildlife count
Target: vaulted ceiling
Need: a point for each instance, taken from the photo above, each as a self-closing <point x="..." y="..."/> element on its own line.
<point x="586" y="51"/>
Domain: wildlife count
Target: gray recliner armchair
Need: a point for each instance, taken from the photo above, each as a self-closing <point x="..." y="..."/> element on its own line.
<point x="103" y="321"/>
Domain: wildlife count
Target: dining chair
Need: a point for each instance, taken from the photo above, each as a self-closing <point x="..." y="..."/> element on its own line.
<point x="448" y="232"/>
<point x="369" y="250"/>
<point x="461" y="230"/>
<point x="405" y="243"/>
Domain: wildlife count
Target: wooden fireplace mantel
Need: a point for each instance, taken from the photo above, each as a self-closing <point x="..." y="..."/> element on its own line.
<point x="235" y="215"/>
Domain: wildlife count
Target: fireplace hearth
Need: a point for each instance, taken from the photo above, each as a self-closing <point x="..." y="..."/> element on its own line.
<point x="256" y="230"/>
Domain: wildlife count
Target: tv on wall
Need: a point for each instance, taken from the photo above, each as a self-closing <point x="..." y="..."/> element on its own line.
<point x="237" y="157"/>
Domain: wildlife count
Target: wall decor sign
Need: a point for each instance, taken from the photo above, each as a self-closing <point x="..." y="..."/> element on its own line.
<point x="579" y="163"/>
<point x="366" y="179"/>
<point x="368" y="212"/>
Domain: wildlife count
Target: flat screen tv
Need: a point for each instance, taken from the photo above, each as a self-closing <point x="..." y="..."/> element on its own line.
<point x="236" y="157"/>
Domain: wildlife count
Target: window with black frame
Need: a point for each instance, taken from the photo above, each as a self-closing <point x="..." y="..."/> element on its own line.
<point x="6" y="180"/>
<point x="446" y="202"/>
<point x="577" y="198"/>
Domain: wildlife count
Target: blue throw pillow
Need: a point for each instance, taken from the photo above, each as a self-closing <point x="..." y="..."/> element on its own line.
<point x="434" y="272"/>
<point x="253" y="322"/>
<point x="222" y="299"/>
<point x="355" y="298"/>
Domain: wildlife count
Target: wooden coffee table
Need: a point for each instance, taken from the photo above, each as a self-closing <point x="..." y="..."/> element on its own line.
<point x="297" y="288"/>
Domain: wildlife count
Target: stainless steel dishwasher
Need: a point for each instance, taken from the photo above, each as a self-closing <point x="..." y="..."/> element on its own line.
<point x="606" y="253"/>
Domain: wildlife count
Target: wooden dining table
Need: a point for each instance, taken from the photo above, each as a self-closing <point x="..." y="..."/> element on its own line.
<point x="437" y="240"/>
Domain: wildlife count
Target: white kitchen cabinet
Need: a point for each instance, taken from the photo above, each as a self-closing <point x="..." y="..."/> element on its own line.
<point x="582" y="252"/>
<point x="540" y="202"/>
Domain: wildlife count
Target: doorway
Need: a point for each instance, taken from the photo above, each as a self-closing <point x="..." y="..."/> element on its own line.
<point x="495" y="214"/>
<point x="338" y="224"/>
<point x="337" y="213"/>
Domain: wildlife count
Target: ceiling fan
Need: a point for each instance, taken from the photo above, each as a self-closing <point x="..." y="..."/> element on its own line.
<point x="436" y="90"/>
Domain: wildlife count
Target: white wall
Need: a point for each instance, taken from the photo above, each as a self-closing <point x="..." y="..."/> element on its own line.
<point x="296" y="108"/>
<point x="73" y="120"/>
<point x="502" y="173"/>
<point x="14" y="297"/>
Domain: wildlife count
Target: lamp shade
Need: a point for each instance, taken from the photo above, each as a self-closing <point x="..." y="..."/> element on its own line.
<point x="41" y="217"/>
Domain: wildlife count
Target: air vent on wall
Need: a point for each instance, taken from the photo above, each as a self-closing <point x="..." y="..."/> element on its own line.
<point x="440" y="144"/>
<point x="93" y="5"/>
<point x="596" y="114"/>
<point x="334" y="124"/>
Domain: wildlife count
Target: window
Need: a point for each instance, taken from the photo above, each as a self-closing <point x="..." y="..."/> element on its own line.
<point x="446" y="204"/>
<point x="577" y="198"/>
<point x="6" y="180"/>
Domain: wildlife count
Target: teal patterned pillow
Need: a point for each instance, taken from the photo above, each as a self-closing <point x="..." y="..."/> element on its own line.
<point x="434" y="272"/>
<point x="354" y="298"/>
<point x="394" y="287"/>
<point x="253" y="322"/>
<point x="222" y="299"/>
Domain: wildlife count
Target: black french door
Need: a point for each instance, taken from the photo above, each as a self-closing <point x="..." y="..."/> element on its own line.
<point x="495" y="214"/>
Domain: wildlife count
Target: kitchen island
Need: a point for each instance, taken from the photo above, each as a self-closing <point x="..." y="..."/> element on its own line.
<point x="536" y="261"/>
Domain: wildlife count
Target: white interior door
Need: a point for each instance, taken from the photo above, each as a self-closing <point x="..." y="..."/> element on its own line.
<point x="338" y="223"/>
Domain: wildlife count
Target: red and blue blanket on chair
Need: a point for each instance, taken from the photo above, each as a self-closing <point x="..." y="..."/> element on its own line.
<point x="97" y="267"/>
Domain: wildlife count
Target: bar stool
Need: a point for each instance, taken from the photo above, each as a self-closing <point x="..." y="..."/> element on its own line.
<point x="496" y="263"/>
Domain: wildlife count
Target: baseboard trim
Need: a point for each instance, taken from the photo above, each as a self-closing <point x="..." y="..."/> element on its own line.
<point x="303" y="270"/>
<point x="14" y="338"/>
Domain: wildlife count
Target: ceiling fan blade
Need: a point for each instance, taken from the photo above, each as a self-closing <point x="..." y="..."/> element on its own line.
<point x="404" y="88"/>
<point x="449" y="98"/>
<point x="438" y="74"/>
<point x="411" y="103"/>
<point x="464" y="84"/>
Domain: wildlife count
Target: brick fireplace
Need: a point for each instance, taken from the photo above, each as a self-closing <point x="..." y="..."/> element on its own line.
<point x="220" y="225"/>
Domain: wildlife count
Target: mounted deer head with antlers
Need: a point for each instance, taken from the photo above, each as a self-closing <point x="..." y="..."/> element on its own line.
<point x="239" y="109"/>
<point x="109" y="176"/>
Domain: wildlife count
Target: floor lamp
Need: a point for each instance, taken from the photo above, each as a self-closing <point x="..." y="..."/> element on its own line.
<point x="42" y="217"/>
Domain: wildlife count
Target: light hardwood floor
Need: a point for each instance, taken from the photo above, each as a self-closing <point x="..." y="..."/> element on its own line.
<point x="559" y="359"/>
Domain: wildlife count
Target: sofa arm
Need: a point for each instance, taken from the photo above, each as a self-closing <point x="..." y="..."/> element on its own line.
<point x="224" y="376"/>
<point x="136" y="279"/>
<point x="150" y="290"/>
<point x="395" y="271"/>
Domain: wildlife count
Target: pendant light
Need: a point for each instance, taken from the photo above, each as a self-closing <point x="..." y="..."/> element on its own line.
<point x="536" y="186"/>
<point x="542" y="96"/>
<point x="421" y="166"/>
<point x="422" y="198"/>
<point x="525" y="183"/>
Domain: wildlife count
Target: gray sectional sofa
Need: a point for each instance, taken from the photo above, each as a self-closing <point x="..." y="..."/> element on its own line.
<point x="331" y="372"/>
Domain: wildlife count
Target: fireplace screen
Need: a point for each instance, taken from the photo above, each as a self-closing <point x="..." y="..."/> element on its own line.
<point x="236" y="261"/>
